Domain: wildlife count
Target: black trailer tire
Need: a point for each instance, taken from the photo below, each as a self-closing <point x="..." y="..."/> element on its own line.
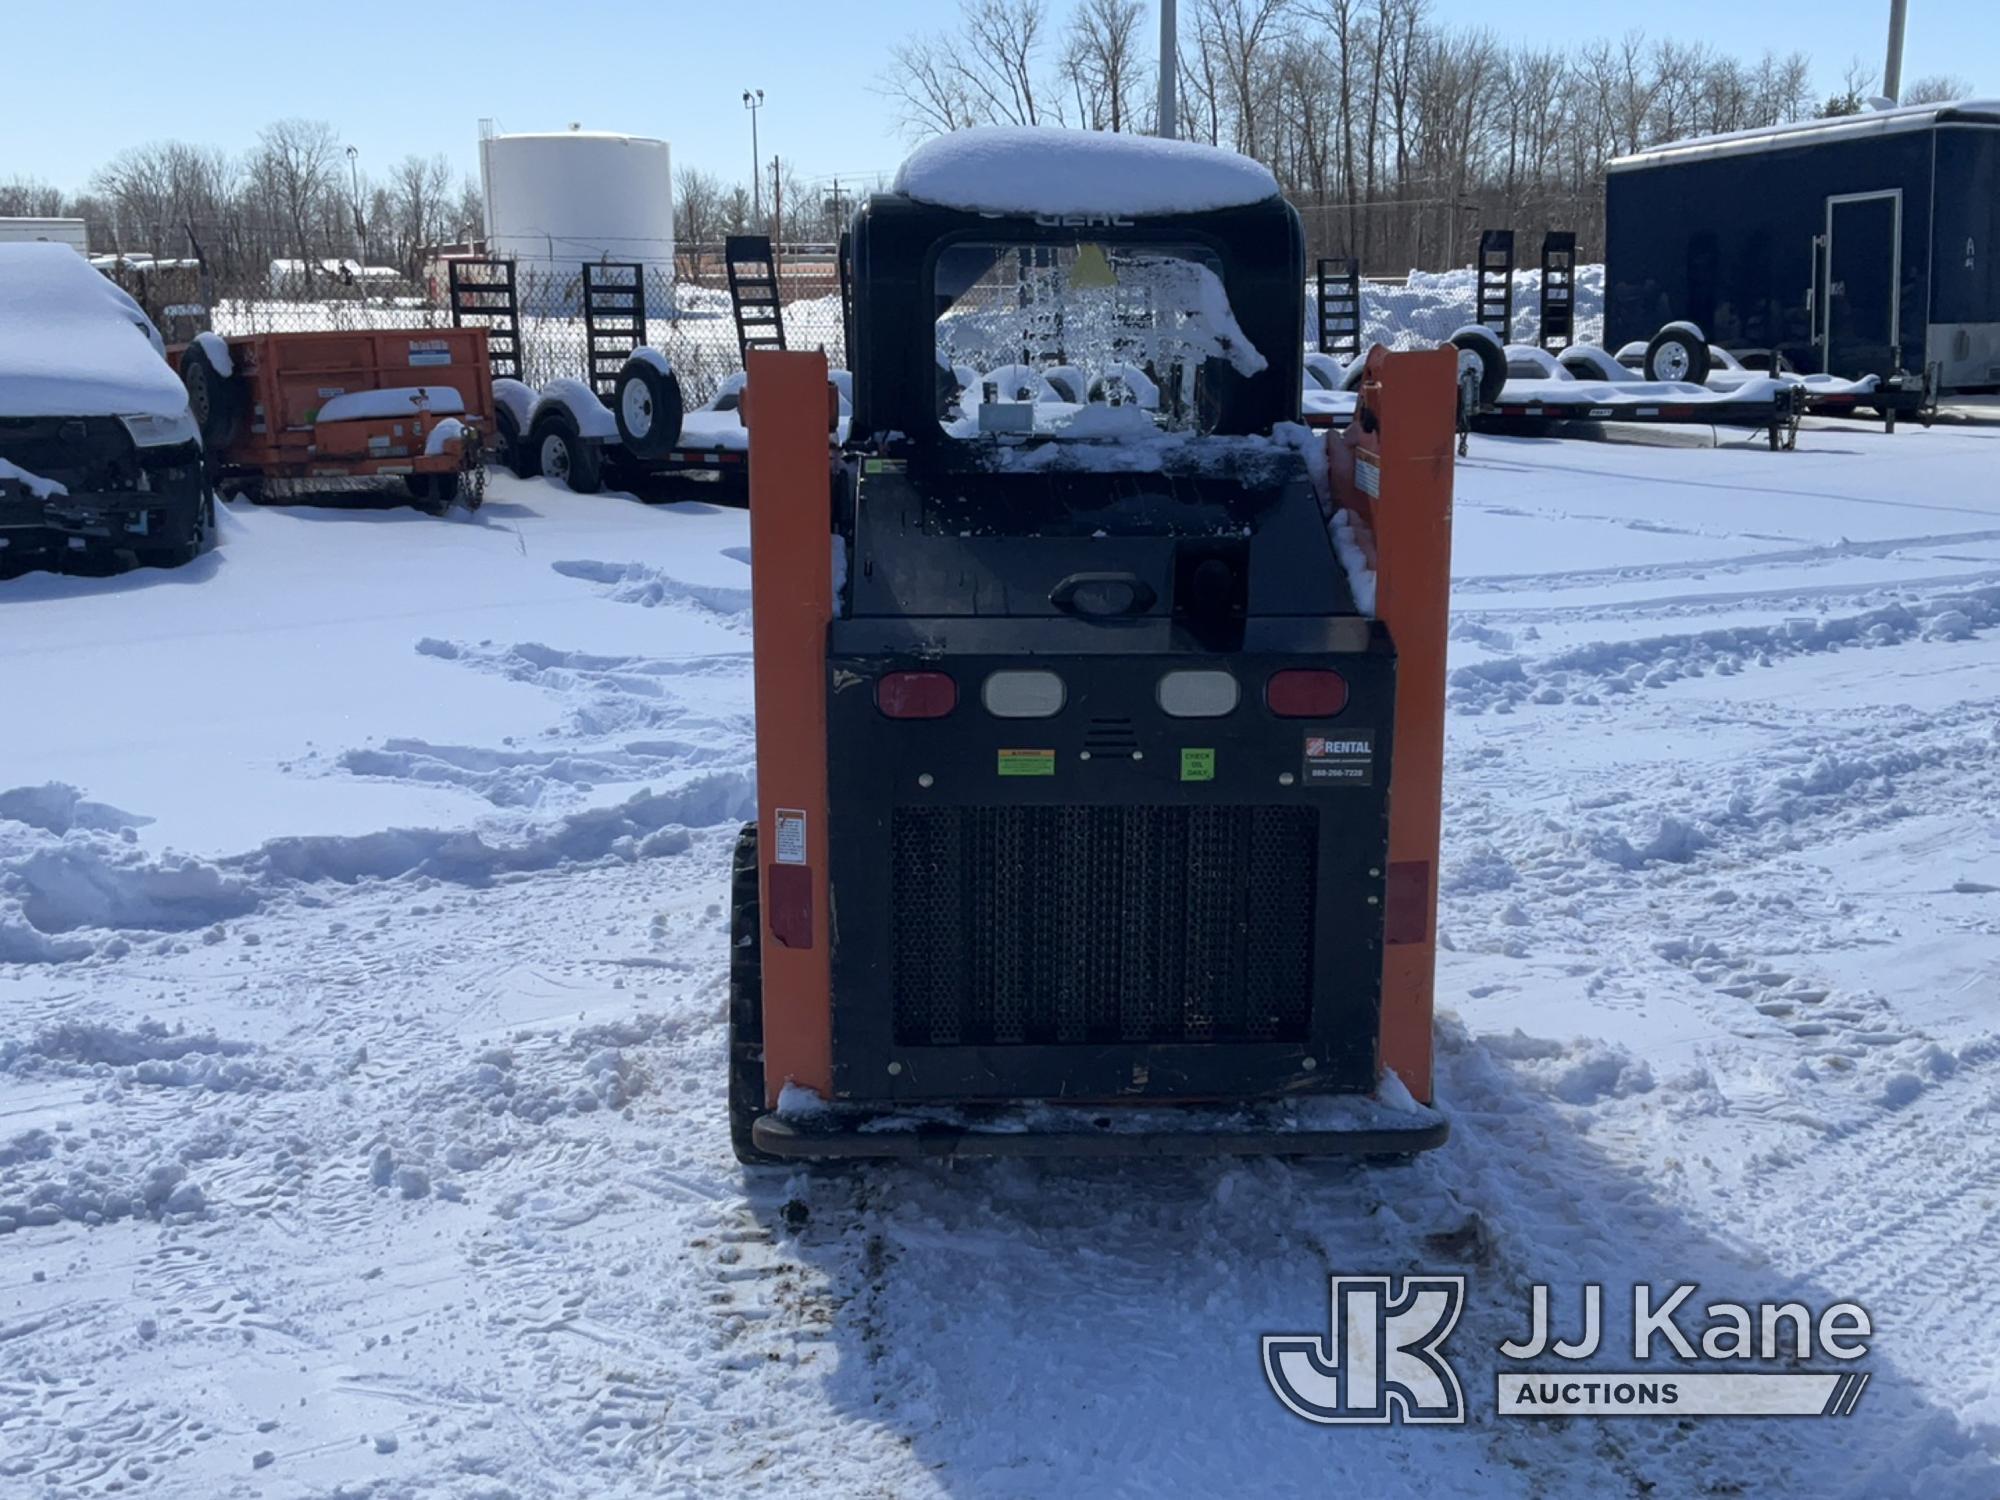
<point x="1678" y="352"/>
<point x="647" y="403"/>
<point x="215" y="400"/>
<point x="1483" y="345"/>
<point x="564" y="455"/>
<point x="746" y="1002"/>
<point x="515" y="454"/>
<point x="434" y="492"/>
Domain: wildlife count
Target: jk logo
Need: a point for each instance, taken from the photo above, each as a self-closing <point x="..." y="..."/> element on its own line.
<point x="1381" y="1362"/>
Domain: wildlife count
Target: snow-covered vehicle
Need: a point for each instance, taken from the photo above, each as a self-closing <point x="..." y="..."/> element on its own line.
<point x="98" y="451"/>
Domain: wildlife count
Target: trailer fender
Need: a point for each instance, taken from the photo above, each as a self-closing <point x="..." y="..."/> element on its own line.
<point x="1588" y="362"/>
<point x="516" y="399"/>
<point x="1479" y="349"/>
<point x="1324" y="371"/>
<point x="579" y="403"/>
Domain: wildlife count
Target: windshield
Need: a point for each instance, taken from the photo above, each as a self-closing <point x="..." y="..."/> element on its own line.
<point x="1084" y="341"/>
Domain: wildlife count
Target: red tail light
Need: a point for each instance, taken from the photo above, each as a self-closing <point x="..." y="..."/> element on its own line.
<point x="1305" y="693"/>
<point x="916" y="695"/>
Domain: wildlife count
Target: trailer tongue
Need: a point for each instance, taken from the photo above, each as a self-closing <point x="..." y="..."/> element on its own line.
<point x="1076" y="834"/>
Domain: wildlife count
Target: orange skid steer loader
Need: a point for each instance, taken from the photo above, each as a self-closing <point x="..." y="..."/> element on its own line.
<point x="1098" y="801"/>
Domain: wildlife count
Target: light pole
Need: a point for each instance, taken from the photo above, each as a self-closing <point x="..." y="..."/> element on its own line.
<point x="1892" y="70"/>
<point x="753" y="100"/>
<point x="1169" y="123"/>
<point x="354" y="181"/>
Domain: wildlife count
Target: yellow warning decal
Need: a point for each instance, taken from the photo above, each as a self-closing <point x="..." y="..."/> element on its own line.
<point x="1027" y="763"/>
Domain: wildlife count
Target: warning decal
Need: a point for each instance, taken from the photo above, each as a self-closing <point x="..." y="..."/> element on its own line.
<point x="1346" y="758"/>
<point x="1197" y="765"/>
<point x="1027" y="763"/>
<point x="1367" y="476"/>
<point x="791" y="845"/>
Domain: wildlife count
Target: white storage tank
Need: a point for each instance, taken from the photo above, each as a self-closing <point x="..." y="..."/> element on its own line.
<point x="574" y="195"/>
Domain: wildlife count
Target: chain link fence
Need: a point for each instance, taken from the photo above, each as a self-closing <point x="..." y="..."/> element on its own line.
<point x="685" y="312"/>
<point x="1426" y="308"/>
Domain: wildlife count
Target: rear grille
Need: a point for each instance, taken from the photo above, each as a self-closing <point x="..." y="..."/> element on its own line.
<point x="1061" y="925"/>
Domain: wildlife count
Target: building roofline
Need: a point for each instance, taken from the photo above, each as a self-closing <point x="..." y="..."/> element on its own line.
<point x="1866" y="125"/>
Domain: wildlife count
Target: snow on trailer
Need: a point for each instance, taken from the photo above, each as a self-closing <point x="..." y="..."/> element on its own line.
<point x="285" y="411"/>
<point x="569" y="434"/>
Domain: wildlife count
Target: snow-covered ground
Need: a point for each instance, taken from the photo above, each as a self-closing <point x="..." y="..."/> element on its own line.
<point x="361" y="994"/>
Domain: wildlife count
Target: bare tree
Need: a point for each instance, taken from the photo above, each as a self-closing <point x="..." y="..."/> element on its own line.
<point x="421" y="207"/>
<point x="1936" y="88"/>
<point x="29" y="198"/>
<point x="294" y="167"/>
<point x="697" y="207"/>
<point x="1101" y="60"/>
<point x="987" y="73"/>
<point x="1857" y="82"/>
<point x="738" y="210"/>
<point x="1243" y="35"/>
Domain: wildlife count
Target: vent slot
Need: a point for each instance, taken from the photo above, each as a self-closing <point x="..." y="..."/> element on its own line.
<point x="1093" y="925"/>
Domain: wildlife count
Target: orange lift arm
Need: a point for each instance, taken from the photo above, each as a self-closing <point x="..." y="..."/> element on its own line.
<point x="791" y="596"/>
<point x="1391" y="469"/>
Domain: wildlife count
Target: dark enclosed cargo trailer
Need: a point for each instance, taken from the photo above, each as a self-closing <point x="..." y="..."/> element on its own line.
<point x="1863" y="245"/>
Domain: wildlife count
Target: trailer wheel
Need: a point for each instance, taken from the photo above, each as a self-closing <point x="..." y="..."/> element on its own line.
<point x="1480" y="348"/>
<point x="514" y="451"/>
<point x="746" y="1001"/>
<point x="564" y="454"/>
<point x="214" y="399"/>
<point x="1678" y="352"/>
<point x="433" y="492"/>
<point x="647" y="403"/>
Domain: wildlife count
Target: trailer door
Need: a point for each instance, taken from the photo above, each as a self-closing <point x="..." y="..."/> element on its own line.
<point x="1859" y="284"/>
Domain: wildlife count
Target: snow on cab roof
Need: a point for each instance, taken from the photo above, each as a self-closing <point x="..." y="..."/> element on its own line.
<point x="73" y="345"/>
<point x="1810" y="132"/>
<point x="1033" y="170"/>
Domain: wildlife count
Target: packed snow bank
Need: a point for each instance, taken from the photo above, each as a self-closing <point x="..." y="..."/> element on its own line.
<point x="1024" y="170"/>
<point x="1423" y="310"/>
<point x="69" y="866"/>
<point x="74" y="345"/>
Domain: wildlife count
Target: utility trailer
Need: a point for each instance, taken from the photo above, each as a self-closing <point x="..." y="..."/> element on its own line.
<point x="279" y="411"/>
<point x="1523" y="389"/>
<point x="628" y="414"/>
<point x="1098" y="798"/>
<point x="1856" y="246"/>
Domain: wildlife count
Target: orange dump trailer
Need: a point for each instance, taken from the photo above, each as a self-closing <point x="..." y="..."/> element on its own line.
<point x="410" y="402"/>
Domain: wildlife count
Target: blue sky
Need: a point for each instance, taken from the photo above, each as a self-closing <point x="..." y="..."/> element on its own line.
<point x="393" y="77"/>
